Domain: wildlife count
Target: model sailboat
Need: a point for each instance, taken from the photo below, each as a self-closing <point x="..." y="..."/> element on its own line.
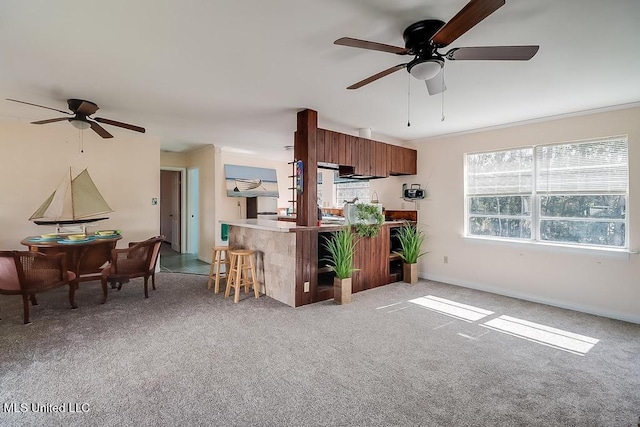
<point x="75" y="201"/>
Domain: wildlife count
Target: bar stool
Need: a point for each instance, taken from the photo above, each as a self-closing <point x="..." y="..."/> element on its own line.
<point x="219" y="258"/>
<point x="242" y="264"/>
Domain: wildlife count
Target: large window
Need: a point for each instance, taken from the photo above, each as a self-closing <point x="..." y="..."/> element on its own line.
<point x="348" y="189"/>
<point x="573" y="193"/>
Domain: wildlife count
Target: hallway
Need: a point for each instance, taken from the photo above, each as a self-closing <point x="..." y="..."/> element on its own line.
<point x="174" y="262"/>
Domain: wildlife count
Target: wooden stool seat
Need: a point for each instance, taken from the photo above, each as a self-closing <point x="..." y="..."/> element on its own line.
<point x="243" y="265"/>
<point x="220" y="257"/>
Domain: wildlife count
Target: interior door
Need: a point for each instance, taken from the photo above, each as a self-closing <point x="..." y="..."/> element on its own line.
<point x="165" y="204"/>
<point x="175" y="211"/>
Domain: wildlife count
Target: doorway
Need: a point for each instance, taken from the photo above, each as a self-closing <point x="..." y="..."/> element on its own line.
<point x="179" y="221"/>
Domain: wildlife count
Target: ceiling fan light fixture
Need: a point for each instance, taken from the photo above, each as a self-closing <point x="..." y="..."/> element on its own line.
<point x="425" y="69"/>
<point x="80" y="124"/>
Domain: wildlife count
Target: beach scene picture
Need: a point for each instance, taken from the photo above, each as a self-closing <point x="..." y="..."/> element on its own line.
<point x="247" y="181"/>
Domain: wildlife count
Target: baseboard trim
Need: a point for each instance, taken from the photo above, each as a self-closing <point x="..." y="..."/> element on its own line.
<point x="534" y="298"/>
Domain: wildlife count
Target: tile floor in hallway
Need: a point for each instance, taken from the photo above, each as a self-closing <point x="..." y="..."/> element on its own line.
<point x="175" y="262"/>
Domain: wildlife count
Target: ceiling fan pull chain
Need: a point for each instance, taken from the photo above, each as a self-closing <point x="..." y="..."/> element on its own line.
<point x="442" y="99"/>
<point x="81" y="140"/>
<point x="409" y="101"/>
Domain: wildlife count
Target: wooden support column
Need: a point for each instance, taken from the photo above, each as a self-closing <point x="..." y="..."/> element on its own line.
<point x="305" y="150"/>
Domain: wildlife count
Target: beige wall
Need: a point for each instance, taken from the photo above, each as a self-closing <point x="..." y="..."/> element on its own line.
<point x="389" y="190"/>
<point x="204" y="160"/>
<point x="174" y="160"/>
<point x="33" y="160"/>
<point x="590" y="281"/>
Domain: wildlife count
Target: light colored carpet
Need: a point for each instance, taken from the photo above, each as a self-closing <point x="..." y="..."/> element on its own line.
<point x="187" y="357"/>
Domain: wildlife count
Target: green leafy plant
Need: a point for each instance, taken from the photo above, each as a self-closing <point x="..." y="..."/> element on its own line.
<point x="369" y="220"/>
<point x="411" y="239"/>
<point x="341" y="247"/>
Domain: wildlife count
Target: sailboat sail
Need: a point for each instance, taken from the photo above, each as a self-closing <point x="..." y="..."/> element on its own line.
<point x="75" y="199"/>
<point x="87" y="200"/>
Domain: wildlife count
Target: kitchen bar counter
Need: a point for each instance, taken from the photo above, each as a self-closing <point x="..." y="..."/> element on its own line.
<point x="287" y="226"/>
<point x="262" y="224"/>
<point x="290" y="258"/>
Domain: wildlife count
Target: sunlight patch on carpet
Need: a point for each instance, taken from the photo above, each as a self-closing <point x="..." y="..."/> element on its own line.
<point x="388" y="305"/>
<point x="542" y="334"/>
<point x="465" y="312"/>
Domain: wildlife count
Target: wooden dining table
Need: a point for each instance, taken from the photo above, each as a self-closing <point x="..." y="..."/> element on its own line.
<point x="85" y="257"/>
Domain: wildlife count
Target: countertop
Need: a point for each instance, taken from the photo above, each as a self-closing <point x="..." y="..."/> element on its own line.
<point x="288" y="227"/>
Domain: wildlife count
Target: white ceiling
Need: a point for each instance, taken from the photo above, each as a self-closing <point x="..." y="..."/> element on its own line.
<point x="235" y="72"/>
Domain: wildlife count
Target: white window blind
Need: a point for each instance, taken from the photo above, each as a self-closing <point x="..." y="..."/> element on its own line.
<point x="596" y="166"/>
<point x="501" y="172"/>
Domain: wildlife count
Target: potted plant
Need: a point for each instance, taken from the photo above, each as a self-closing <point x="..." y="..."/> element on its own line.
<point x="411" y="239"/>
<point x="368" y="220"/>
<point x="341" y="247"/>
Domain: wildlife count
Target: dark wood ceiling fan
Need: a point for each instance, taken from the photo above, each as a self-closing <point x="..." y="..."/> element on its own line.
<point x="81" y="110"/>
<point x="424" y="38"/>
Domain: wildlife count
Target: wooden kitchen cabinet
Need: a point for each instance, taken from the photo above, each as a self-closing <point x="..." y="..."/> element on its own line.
<point x="343" y="149"/>
<point x="401" y="160"/>
<point x="361" y="159"/>
<point x="369" y="158"/>
<point x="321" y="146"/>
<point x="380" y="164"/>
<point x="364" y="157"/>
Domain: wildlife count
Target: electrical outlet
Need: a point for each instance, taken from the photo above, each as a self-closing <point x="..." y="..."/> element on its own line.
<point x="306" y="286"/>
<point x="154" y="201"/>
<point x="446" y="259"/>
<point x="402" y="205"/>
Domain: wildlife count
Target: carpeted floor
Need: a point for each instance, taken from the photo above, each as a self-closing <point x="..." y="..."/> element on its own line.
<point x="391" y="357"/>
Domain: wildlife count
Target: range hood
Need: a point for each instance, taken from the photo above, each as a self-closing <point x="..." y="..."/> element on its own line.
<point x="325" y="165"/>
<point x="345" y="171"/>
<point x="350" y="172"/>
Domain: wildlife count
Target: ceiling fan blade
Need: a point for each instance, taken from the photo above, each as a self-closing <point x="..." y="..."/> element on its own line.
<point x="363" y="44"/>
<point x="435" y="85"/>
<point x="41" y="106"/>
<point x="120" y="124"/>
<point x="44" y="122"/>
<point x="377" y="76"/>
<point x="83" y="107"/>
<point x="474" y="12"/>
<point x="100" y="130"/>
<point x="493" y="53"/>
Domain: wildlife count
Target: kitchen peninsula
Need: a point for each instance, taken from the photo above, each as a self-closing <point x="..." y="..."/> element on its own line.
<point x="291" y="256"/>
<point x="281" y="262"/>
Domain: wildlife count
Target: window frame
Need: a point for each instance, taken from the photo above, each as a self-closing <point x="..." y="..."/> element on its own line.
<point x="536" y="197"/>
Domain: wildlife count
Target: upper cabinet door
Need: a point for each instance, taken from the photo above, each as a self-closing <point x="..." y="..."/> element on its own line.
<point x="402" y="161"/>
<point x="381" y="168"/>
<point x="321" y="153"/>
<point x="410" y="161"/>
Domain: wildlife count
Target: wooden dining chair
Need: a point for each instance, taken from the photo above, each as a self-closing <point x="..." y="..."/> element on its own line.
<point x="138" y="260"/>
<point x="28" y="273"/>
